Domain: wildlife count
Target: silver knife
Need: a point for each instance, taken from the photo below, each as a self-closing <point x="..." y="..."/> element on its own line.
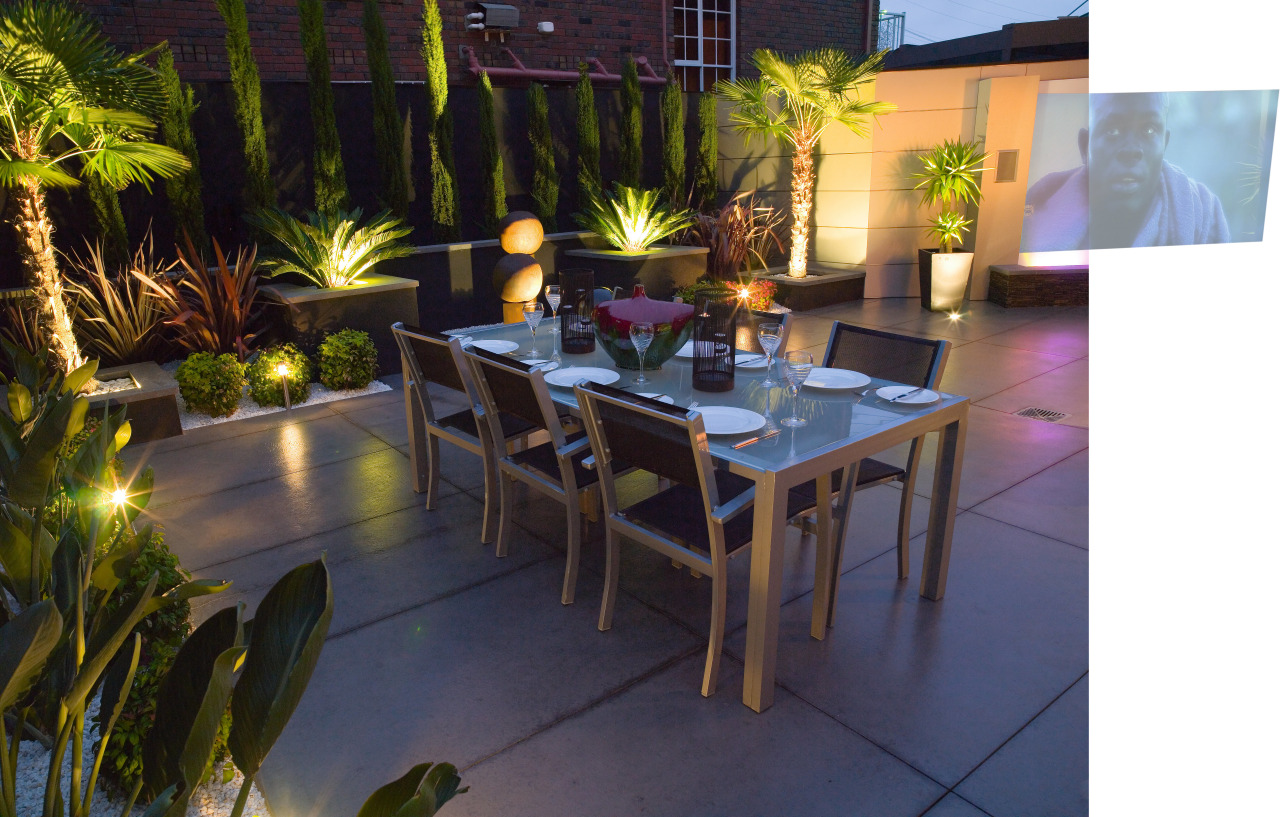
<point x="745" y="443"/>
<point x="905" y="394"/>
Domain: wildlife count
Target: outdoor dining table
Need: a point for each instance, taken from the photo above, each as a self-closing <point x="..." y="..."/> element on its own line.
<point x="843" y="427"/>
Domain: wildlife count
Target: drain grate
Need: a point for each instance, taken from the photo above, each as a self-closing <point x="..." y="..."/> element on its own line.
<point x="1044" y="415"/>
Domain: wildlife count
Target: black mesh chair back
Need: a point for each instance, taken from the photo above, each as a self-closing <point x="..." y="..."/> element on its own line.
<point x="659" y="445"/>
<point x="748" y="337"/>
<point x="886" y="355"/>
<point x="429" y="357"/>
<point x="509" y="385"/>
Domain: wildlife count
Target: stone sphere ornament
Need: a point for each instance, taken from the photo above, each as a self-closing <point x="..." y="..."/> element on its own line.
<point x="520" y="232"/>
<point x="517" y="278"/>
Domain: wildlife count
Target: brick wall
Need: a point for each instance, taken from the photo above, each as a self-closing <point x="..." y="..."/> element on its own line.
<point x="606" y="29"/>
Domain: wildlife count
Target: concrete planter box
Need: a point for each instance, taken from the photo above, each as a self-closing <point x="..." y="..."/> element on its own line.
<point x="303" y="315"/>
<point x="152" y="406"/>
<point x="662" y="270"/>
<point x="822" y="286"/>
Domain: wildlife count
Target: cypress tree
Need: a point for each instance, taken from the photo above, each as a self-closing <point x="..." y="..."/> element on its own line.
<point x="588" y="139"/>
<point x="444" y="184"/>
<point x="110" y="220"/>
<point x="259" y="189"/>
<point x="673" y="141"/>
<point x="546" y="184"/>
<point x="491" y="170"/>
<point x="705" y="176"/>
<point x="184" y="191"/>
<point x="631" y="164"/>
<point x="329" y="176"/>
<point x="388" y="130"/>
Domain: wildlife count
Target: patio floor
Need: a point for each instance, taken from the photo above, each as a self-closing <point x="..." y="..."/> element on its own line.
<point x="439" y="651"/>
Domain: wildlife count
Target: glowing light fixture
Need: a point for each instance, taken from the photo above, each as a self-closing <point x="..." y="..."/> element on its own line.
<point x="282" y="369"/>
<point x="955" y="316"/>
<point x="119" y="496"/>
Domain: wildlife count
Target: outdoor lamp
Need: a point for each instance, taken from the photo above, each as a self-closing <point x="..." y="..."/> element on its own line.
<point x="282" y="369"/>
<point x="119" y="496"/>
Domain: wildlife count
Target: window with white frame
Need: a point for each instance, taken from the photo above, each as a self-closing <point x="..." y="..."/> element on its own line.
<point x="705" y="45"/>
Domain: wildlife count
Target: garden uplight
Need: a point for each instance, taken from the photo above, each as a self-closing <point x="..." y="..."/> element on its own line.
<point x="119" y="496"/>
<point x="955" y="316"/>
<point x="282" y="369"/>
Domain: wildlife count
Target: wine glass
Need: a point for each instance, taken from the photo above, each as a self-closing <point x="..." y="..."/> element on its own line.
<point x="770" y="335"/>
<point x="641" y="337"/>
<point x="553" y="301"/>
<point x="533" y="317"/>
<point x="796" y="366"/>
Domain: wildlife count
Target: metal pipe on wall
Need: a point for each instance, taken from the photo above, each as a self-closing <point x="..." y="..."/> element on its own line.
<point x="520" y="71"/>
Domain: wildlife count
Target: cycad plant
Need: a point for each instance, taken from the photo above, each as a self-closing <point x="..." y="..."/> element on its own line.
<point x="950" y="176"/>
<point x="70" y="105"/>
<point x="795" y="100"/>
<point x="631" y="219"/>
<point x="329" y="251"/>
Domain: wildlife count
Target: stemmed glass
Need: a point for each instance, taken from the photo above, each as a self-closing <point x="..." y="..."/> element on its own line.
<point x="553" y="301"/>
<point x="770" y="335"/>
<point x="641" y="337"/>
<point x="533" y="317"/>
<point x="796" y="366"/>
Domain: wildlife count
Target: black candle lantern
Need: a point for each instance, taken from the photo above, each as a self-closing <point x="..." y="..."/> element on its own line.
<point x="715" y="323"/>
<point x="577" y="292"/>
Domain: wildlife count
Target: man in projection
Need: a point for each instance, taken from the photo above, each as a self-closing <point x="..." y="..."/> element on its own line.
<point x="1125" y="194"/>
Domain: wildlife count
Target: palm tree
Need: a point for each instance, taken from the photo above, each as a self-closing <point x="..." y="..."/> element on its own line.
<point x="70" y="106"/>
<point x="795" y="100"/>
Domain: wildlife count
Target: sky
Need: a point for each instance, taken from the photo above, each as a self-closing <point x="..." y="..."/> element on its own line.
<point x="934" y="20"/>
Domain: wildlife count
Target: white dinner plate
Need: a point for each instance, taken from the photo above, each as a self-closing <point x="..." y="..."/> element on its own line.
<point x="498" y="347"/>
<point x="567" y="377"/>
<point x="922" y="398"/>
<point x="821" y="377"/>
<point x="750" y="360"/>
<point x="729" y="420"/>
<point x="661" y="398"/>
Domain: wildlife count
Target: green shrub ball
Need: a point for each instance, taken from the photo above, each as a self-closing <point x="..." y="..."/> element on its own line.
<point x="211" y="385"/>
<point x="348" y="360"/>
<point x="264" y="381"/>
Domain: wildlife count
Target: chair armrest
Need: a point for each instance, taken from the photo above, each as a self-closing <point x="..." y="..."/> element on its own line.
<point x="573" y="447"/>
<point x="589" y="463"/>
<point x="735" y="506"/>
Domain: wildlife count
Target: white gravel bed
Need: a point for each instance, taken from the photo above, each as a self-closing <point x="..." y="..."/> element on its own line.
<point x="247" y="408"/>
<point x="214" y="799"/>
<point x="109" y="386"/>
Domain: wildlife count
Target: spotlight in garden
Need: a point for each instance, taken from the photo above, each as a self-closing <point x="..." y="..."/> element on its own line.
<point x="955" y="316"/>
<point x="119" y="497"/>
<point x="282" y="369"/>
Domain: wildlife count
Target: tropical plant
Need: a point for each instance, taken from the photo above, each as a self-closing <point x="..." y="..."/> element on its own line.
<point x="673" y="172"/>
<point x="21" y="325"/>
<point x="739" y="236"/>
<point x="118" y="317"/>
<point x="213" y="309"/>
<point x="546" y="183"/>
<point x="631" y="219"/>
<point x="211" y="384"/>
<point x="493" y="184"/>
<point x="706" y="170"/>
<point x="348" y="360"/>
<point x="949" y="175"/>
<point x="795" y="100"/>
<point x="445" y="205"/>
<point x="631" y="160"/>
<point x="70" y="105"/>
<point x="328" y="173"/>
<point x="264" y="376"/>
<point x="113" y="236"/>
<point x="589" y="181"/>
<point x="329" y="251"/>
<point x="68" y="547"/>
<point x="388" y="130"/>
<point x="259" y="189"/>
<point x="183" y="189"/>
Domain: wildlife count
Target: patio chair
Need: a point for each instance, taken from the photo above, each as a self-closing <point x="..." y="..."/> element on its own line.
<point x="702" y="520"/>
<point x="886" y="356"/>
<point x="553" y="468"/>
<point x="430" y="357"/>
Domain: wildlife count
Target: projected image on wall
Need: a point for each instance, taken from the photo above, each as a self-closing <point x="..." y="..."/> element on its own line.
<point x="1148" y="169"/>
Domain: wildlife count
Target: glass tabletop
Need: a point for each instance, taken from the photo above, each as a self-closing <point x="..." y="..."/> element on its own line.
<point x="835" y="417"/>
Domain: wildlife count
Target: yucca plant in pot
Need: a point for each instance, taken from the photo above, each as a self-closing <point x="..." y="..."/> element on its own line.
<point x="949" y="175"/>
<point x="332" y="259"/>
<point x="631" y="221"/>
